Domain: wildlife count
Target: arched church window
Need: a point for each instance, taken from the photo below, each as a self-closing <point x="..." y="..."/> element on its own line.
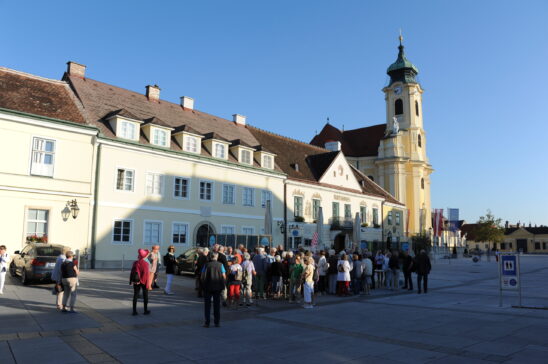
<point x="398" y="106"/>
<point x="417" y="108"/>
<point x="420" y="141"/>
<point x="371" y="178"/>
<point x="422" y="183"/>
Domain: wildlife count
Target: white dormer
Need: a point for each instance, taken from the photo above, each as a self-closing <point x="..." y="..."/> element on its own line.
<point x="217" y="145"/>
<point x="124" y="124"/>
<point x="265" y="158"/>
<point x="243" y="152"/>
<point x="189" y="139"/>
<point x="340" y="174"/>
<point x="157" y="132"/>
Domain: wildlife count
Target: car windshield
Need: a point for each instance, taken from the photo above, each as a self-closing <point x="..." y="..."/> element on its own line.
<point x="49" y="251"/>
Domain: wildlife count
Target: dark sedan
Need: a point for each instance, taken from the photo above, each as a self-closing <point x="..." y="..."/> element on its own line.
<point x="35" y="262"/>
<point x="186" y="262"/>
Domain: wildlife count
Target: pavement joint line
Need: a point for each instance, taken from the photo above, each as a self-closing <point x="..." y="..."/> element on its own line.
<point x="82" y="346"/>
<point x="11" y="352"/>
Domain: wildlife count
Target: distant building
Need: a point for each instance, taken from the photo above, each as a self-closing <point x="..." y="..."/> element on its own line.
<point x="525" y="239"/>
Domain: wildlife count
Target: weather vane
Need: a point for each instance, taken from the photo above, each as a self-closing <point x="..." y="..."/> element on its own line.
<point x="401" y="37"/>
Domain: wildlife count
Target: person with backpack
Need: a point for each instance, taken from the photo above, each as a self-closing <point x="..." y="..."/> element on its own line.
<point x="214" y="282"/>
<point x="138" y="278"/>
<point x="235" y="277"/>
<point x="170" y="263"/>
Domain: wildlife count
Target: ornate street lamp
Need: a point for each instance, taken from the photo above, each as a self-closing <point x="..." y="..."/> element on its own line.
<point x="71" y="209"/>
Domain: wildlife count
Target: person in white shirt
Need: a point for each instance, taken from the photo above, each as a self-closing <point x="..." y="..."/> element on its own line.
<point x="323" y="265"/>
<point x="343" y="275"/>
<point x="4" y="260"/>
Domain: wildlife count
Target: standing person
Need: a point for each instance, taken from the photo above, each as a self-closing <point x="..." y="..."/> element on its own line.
<point x="286" y="264"/>
<point x="139" y="276"/>
<point x="200" y="264"/>
<point x="407" y="267"/>
<point x="343" y="276"/>
<point x="69" y="272"/>
<point x="357" y="275"/>
<point x="4" y="260"/>
<point x="295" y="282"/>
<point x="367" y="272"/>
<point x="332" y="272"/>
<point x="372" y="280"/>
<point x="379" y="268"/>
<point x="235" y="278"/>
<point x="423" y="270"/>
<point x="170" y="263"/>
<point x="259" y="261"/>
<point x="394" y="266"/>
<point x="154" y="260"/>
<point x="214" y="281"/>
<point x="247" y="280"/>
<point x="387" y="271"/>
<point x="224" y="261"/>
<point x="58" y="279"/>
<point x="323" y="266"/>
<point x="308" y="278"/>
<point x="276" y="269"/>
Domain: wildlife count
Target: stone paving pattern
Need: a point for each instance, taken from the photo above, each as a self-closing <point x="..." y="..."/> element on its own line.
<point x="458" y="321"/>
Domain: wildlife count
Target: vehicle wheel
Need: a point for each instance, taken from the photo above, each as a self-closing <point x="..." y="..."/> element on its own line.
<point x="24" y="278"/>
<point x="12" y="270"/>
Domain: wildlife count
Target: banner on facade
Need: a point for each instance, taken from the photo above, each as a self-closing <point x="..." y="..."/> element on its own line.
<point x="453" y="215"/>
<point x="438" y="222"/>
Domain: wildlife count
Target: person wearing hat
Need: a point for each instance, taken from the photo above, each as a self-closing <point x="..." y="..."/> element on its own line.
<point x="139" y="276"/>
<point x="170" y="263"/>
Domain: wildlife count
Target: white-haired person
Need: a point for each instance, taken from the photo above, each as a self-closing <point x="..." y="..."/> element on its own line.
<point x="4" y="261"/>
<point x="248" y="272"/>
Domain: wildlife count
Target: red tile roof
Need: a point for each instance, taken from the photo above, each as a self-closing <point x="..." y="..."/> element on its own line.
<point x="362" y="142"/>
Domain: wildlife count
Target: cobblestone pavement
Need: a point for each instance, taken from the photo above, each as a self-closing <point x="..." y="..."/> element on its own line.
<point x="459" y="320"/>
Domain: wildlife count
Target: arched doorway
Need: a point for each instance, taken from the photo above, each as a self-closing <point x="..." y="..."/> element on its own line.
<point x="203" y="234"/>
<point x="339" y="243"/>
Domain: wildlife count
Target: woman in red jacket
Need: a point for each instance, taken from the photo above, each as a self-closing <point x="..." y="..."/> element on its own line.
<point x="139" y="278"/>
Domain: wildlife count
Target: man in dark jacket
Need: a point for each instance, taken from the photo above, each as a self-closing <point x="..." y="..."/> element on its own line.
<point x="423" y="267"/>
<point x="213" y="279"/>
<point x="201" y="261"/>
<point x="394" y="266"/>
<point x="407" y="267"/>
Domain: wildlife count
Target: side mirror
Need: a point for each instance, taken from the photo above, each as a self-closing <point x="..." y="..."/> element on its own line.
<point x="16" y="252"/>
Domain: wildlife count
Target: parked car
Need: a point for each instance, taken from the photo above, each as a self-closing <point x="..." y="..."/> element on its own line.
<point x="35" y="262"/>
<point x="186" y="262"/>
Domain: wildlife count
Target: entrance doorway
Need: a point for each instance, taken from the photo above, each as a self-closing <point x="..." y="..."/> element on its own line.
<point x="203" y="235"/>
<point x="339" y="243"/>
<point x="522" y="245"/>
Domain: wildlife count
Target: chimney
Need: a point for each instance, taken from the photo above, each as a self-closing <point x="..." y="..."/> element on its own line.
<point x="76" y="69"/>
<point x="187" y="102"/>
<point x="153" y="92"/>
<point x="239" y="119"/>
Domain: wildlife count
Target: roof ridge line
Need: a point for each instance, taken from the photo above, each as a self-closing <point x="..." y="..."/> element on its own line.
<point x="30" y="75"/>
<point x="288" y="138"/>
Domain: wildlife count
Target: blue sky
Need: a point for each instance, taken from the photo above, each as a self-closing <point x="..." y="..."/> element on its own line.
<point x="288" y="65"/>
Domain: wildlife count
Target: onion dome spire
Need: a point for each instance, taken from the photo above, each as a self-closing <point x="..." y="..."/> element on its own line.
<point x="402" y="70"/>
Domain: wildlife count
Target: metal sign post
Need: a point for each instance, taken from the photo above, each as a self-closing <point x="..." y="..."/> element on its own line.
<point x="519" y="279"/>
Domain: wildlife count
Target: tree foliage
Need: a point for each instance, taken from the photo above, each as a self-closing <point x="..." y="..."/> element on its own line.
<point x="421" y="241"/>
<point x="489" y="229"/>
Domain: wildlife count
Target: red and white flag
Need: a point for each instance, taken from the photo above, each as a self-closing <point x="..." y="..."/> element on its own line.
<point x="315" y="239"/>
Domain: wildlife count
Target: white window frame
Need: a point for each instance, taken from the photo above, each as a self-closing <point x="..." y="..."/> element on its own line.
<point x="212" y="195"/>
<point x="363" y="214"/>
<point x="349" y="210"/>
<point x="124" y="132"/>
<point x="160" y="183"/>
<point x="252" y="228"/>
<point x="189" y="147"/>
<point x="116" y="179"/>
<point x="233" y="201"/>
<point x="247" y="153"/>
<point x="375" y="213"/>
<point x="187" y="225"/>
<point x="295" y="210"/>
<point x="233" y="227"/>
<point x="244" y="189"/>
<point x="40" y="168"/>
<point x="187" y="188"/>
<point x="265" y="193"/>
<point x="156" y="139"/>
<point x="45" y="222"/>
<point x="314" y="210"/>
<point x="160" y="232"/>
<point x="270" y="159"/>
<point x="131" y="226"/>
<point x="217" y="147"/>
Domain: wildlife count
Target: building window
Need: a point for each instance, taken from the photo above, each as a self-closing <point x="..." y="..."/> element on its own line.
<point x="227" y="230"/>
<point x="267" y="161"/>
<point x="376" y="216"/>
<point x="315" y="209"/>
<point x="335" y="208"/>
<point x="417" y="108"/>
<point x="206" y="190"/>
<point x="347" y="211"/>
<point x="502" y="246"/>
<point x="420" y="141"/>
<point x="179" y="233"/>
<point x="37" y="222"/>
<point x="389" y="218"/>
<point x="159" y="137"/>
<point x="180" y="187"/>
<point x="153" y="233"/>
<point x="228" y="194"/>
<point x="266" y="196"/>
<point x="219" y="150"/>
<point x="124" y="179"/>
<point x="398" y="106"/>
<point x="398" y="218"/>
<point x="245" y="156"/>
<point x="127" y="130"/>
<point x="248" y="196"/>
<point x="363" y="214"/>
<point x="191" y="144"/>
<point x="509" y="245"/>
<point x="537" y="245"/>
<point x="43" y="156"/>
<point x="122" y="232"/>
<point x="248" y="230"/>
<point x="297" y="206"/>
<point x="154" y="183"/>
<point x="422" y="183"/>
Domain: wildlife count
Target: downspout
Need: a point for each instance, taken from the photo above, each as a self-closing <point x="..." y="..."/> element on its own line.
<point x="285" y="216"/>
<point x="95" y="207"/>
<point x="382" y="224"/>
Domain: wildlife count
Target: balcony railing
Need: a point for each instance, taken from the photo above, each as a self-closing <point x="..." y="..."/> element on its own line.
<point x="341" y="223"/>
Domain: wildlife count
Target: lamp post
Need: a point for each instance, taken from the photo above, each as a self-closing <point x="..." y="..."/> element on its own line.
<point x="281" y="225"/>
<point x="71" y="209"/>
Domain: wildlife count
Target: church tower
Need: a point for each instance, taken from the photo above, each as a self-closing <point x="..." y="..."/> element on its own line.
<point x="402" y="165"/>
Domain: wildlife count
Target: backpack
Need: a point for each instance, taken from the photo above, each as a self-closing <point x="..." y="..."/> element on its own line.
<point x="134" y="276"/>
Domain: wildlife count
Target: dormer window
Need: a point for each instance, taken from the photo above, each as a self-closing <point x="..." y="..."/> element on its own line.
<point x="191" y="144"/>
<point x="267" y="161"/>
<point x="124" y="124"/>
<point x="159" y="137"/>
<point x="127" y="130"/>
<point x="220" y="151"/>
<point x="245" y="156"/>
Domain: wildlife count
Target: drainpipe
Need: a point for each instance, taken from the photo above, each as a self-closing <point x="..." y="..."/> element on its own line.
<point x="382" y="223"/>
<point x="95" y="206"/>
<point x="285" y="216"/>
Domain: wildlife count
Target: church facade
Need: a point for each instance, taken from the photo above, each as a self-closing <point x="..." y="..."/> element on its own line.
<point x="393" y="154"/>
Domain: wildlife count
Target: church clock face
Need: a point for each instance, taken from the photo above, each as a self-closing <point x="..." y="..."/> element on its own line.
<point x="397" y="90"/>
